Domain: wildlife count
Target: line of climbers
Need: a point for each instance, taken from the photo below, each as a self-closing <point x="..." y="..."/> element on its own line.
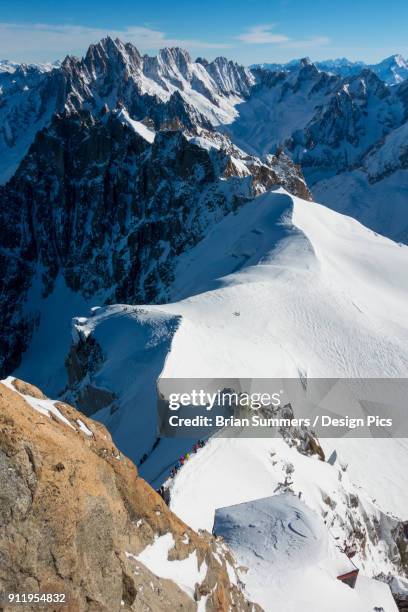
<point x="163" y="491"/>
<point x="185" y="458"/>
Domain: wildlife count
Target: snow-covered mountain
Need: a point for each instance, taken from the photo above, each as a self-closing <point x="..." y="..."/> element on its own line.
<point x="113" y="73"/>
<point x="108" y="204"/>
<point x="334" y="127"/>
<point x="16" y="67"/>
<point x="318" y="295"/>
<point x="392" y="70"/>
<point x="27" y="101"/>
<point x="377" y="190"/>
<point x="326" y="122"/>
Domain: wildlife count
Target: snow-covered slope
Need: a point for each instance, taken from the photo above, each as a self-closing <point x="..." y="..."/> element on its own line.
<point x="307" y="282"/>
<point x="380" y="205"/>
<point x="292" y="561"/>
<point x="318" y="295"/>
<point x="235" y="471"/>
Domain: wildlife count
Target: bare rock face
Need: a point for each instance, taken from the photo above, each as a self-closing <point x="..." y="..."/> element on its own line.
<point x="75" y="516"/>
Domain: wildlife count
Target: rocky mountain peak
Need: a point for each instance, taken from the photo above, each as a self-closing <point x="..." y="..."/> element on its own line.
<point x="367" y="83"/>
<point x="230" y="76"/>
<point x="69" y="62"/>
<point x="112" y="72"/>
<point x="396" y="59"/>
<point x="110" y="55"/>
<point x="307" y="70"/>
<point x="175" y="55"/>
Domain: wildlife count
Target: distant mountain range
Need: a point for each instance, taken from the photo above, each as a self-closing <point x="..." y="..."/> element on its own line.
<point x="392" y="70"/>
<point x="11" y="67"/>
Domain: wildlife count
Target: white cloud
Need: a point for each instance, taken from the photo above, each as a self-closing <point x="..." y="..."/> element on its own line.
<point x="316" y="41"/>
<point x="30" y="42"/>
<point x="265" y="35"/>
<point x="261" y="35"/>
<point x="43" y="41"/>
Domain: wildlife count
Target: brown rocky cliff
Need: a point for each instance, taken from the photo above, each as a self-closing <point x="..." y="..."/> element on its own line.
<point x="74" y="516"/>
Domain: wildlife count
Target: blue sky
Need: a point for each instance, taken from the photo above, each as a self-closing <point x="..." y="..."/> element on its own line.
<point x="248" y="31"/>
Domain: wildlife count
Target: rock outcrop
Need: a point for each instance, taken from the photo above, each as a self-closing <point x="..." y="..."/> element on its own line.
<point x="75" y="517"/>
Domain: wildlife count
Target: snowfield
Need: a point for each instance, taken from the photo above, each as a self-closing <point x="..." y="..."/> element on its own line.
<point x="381" y="205"/>
<point x="318" y="295"/>
<point x="293" y="563"/>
